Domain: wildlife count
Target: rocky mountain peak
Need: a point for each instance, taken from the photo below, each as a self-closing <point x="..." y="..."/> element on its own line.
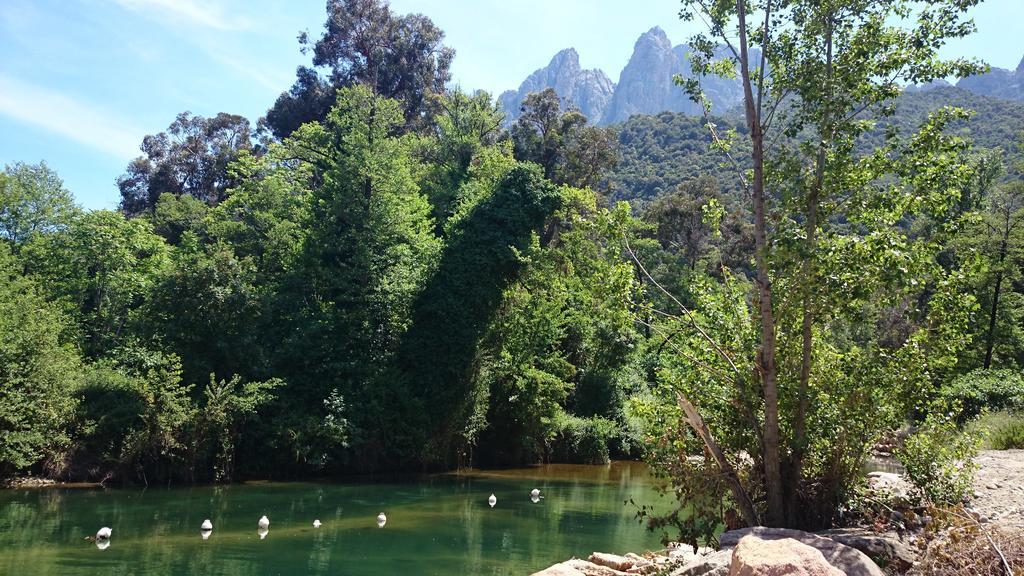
<point x="588" y="90"/>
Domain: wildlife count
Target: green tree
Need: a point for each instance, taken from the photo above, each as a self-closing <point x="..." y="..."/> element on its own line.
<point x="102" y="267"/>
<point x="190" y="158"/>
<point x="561" y="142"/>
<point x="39" y="372"/>
<point x="369" y="248"/>
<point x="364" y="43"/>
<point x="826" y="71"/>
<point x="32" y="200"/>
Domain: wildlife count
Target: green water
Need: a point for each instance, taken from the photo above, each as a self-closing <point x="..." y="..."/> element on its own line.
<point x="436" y="525"/>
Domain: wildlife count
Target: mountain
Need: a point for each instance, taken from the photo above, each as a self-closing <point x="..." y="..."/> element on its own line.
<point x="998" y="83"/>
<point x="660" y="152"/>
<point x="588" y="90"/>
<point x="645" y="85"/>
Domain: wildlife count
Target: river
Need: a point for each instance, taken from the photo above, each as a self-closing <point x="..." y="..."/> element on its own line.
<point x="437" y="524"/>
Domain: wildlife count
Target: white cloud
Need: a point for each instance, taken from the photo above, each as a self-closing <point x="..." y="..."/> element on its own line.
<point x="205" y="14"/>
<point x="63" y="115"/>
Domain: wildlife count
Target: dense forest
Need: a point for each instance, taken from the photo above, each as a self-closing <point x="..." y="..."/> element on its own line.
<point x="377" y="276"/>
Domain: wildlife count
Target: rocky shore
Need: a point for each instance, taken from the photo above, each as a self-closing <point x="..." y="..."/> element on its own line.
<point x="995" y="514"/>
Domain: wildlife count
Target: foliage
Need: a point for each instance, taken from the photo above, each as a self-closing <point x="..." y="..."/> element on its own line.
<point x="581" y="440"/>
<point x="33" y="200"/>
<point x="39" y="371"/>
<point x="561" y="142"/>
<point x="227" y="405"/>
<point x="938" y="461"/>
<point x="190" y="158"/>
<point x="999" y="430"/>
<point x="975" y="392"/>
<point x="779" y="379"/>
<point x="101" y="267"/>
<point x="133" y="416"/>
<point x="397" y="56"/>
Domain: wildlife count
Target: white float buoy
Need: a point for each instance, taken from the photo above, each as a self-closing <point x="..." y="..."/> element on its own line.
<point x="264" y="522"/>
<point x="381" y="520"/>
<point x="534" y="499"/>
<point x="207" y="525"/>
<point x="316" y="523"/>
<point x="103" y="533"/>
<point x="535" y="493"/>
<point x="492" y="500"/>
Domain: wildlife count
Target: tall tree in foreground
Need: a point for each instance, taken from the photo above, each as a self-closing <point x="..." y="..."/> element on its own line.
<point x="798" y="375"/>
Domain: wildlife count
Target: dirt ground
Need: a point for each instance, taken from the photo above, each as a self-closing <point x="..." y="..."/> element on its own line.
<point x="999" y="487"/>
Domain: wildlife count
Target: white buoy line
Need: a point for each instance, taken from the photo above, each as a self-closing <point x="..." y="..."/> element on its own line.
<point x="102" y="538"/>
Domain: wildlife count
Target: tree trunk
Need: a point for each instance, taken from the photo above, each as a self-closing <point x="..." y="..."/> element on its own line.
<point x="766" y="360"/>
<point x="990" y="341"/>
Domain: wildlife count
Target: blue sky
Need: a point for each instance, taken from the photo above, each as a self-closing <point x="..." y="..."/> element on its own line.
<point x="82" y="81"/>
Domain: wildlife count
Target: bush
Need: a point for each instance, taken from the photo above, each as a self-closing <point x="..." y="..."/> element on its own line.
<point x="981" y="390"/>
<point x="999" y="430"/>
<point x="582" y="440"/>
<point x="938" y="461"/>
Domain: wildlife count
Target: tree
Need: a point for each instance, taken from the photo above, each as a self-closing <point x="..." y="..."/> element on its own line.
<point x="368" y="250"/>
<point x="561" y="142"/>
<point x="101" y="268"/>
<point x="39" y="372"/>
<point x="32" y="200"/>
<point x="826" y="71"/>
<point x="191" y="158"/>
<point x="998" y="240"/>
<point x="364" y="42"/>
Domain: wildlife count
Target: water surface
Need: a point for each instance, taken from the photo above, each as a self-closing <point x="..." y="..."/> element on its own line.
<point x="436" y="525"/>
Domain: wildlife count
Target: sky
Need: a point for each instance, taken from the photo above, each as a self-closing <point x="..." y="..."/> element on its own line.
<point x="82" y="81"/>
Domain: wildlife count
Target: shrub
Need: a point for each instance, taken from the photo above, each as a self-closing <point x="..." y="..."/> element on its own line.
<point x="999" y="430"/>
<point x="581" y="440"/>
<point x="976" y="391"/>
<point x="938" y="461"/>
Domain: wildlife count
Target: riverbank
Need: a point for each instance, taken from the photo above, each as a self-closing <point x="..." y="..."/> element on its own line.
<point x="990" y="525"/>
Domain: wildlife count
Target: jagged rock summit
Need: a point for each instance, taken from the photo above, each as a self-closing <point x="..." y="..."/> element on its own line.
<point x="588" y="90"/>
<point x="645" y="85"/>
<point x="998" y="83"/>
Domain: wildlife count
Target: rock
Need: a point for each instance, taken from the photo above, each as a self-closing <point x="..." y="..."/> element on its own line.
<point x="612" y="561"/>
<point x="997" y="82"/>
<point x="591" y="569"/>
<point x="576" y="567"/>
<point x="562" y="569"/>
<point x="714" y="564"/>
<point x="848" y="560"/>
<point x="588" y="90"/>
<point x="889" y="484"/>
<point x="754" y="556"/>
<point x="886" y="548"/>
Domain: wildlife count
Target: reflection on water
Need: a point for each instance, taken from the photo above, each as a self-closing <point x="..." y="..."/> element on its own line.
<point x="435" y="525"/>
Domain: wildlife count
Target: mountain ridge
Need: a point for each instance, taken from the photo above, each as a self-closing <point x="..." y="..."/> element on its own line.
<point x="645" y="85"/>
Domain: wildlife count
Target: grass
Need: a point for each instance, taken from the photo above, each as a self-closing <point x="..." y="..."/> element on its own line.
<point x="1000" y="430"/>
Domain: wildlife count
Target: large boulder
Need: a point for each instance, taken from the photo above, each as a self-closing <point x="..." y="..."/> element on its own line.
<point x="848" y="560"/>
<point x="754" y="556"/>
